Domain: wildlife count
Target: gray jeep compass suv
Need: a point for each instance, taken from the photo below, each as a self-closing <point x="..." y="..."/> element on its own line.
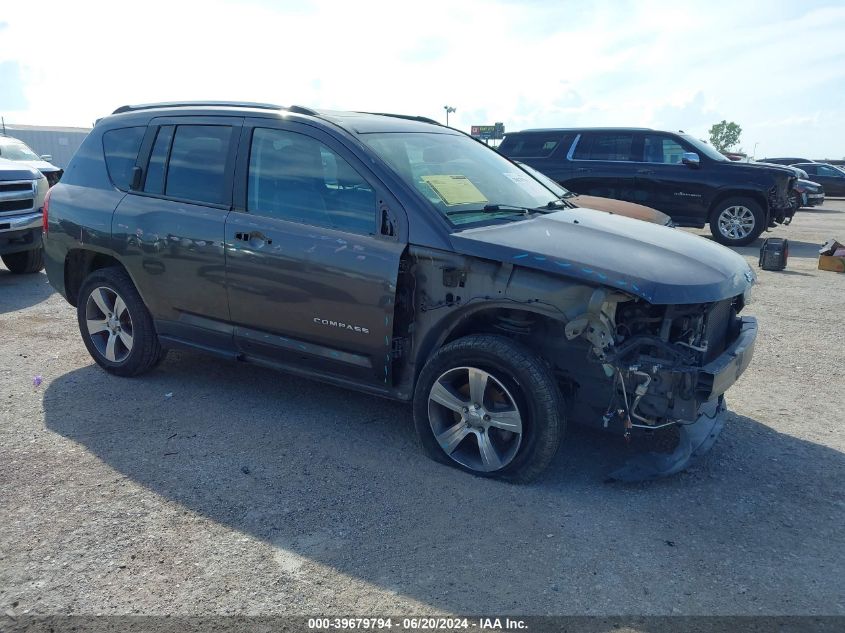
<point x="395" y="256"/>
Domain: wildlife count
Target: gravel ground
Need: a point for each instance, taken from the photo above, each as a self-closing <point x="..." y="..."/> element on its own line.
<point x="252" y="492"/>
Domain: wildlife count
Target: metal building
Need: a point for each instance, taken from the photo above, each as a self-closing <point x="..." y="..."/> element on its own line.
<point x="59" y="142"/>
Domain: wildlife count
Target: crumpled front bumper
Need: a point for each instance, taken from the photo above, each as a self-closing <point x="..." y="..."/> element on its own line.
<point x="717" y="376"/>
<point x="698" y="437"/>
<point x="695" y="440"/>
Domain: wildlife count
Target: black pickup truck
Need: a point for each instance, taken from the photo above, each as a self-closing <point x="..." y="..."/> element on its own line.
<point x="675" y="173"/>
<point x="398" y="257"/>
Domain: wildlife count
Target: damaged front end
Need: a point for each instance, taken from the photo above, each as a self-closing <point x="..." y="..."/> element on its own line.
<point x="669" y="365"/>
<point x="782" y="202"/>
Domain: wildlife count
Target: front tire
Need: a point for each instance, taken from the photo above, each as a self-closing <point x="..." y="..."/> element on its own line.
<point x="115" y="324"/>
<point x="25" y="262"/>
<point x="737" y="221"/>
<point x="488" y="405"/>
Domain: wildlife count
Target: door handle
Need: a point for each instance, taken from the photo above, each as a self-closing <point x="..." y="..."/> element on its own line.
<point x="254" y="235"/>
<point x="645" y="171"/>
<point x="583" y="169"/>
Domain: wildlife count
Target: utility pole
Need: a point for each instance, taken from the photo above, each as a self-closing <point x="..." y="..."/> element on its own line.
<point x="448" y="110"/>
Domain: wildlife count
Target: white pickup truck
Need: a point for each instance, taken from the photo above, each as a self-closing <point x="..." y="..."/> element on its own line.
<point x="22" y="193"/>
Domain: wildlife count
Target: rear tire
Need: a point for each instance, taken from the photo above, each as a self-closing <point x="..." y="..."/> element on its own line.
<point x="115" y="325"/>
<point x="519" y="414"/>
<point x="737" y="221"/>
<point x="25" y="262"/>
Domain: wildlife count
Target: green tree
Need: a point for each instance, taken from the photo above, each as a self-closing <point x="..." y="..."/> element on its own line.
<point x="724" y="135"/>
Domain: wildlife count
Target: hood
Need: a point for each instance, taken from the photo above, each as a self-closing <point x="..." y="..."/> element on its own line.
<point x="40" y="165"/>
<point x="13" y="170"/>
<point x="781" y="170"/>
<point x="659" y="264"/>
<point x="621" y="207"/>
<point x="807" y="184"/>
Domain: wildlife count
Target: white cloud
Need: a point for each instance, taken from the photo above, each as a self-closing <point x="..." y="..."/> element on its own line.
<point x="777" y="68"/>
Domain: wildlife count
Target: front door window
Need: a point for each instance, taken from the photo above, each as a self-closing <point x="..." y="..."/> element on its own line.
<point x="296" y="178"/>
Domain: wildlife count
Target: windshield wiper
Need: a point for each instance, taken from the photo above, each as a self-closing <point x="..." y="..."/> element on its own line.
<point x="559" y="203"/>
<point x="491" y="208"/>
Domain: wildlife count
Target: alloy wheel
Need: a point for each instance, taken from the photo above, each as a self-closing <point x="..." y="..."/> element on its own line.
<point x="475" y="419"/>
<point x="736" y="222"/>
<point x="109" y="324"/>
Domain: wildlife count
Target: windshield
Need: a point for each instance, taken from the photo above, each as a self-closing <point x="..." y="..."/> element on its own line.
<point x="17" y="151"/>
<point x="708" y="150"/>
<point x="459" y="176"/>
<point x="543" y="178"/>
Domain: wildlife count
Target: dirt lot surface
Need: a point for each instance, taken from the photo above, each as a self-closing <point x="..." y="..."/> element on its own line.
<point x="251" y="492"/>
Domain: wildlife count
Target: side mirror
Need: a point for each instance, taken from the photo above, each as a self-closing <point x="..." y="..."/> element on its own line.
<point x="690" y="159"/>
<point x="47" y="157"/>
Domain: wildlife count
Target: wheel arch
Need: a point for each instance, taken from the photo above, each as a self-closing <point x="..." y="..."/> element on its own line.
<point x="81" y="262"/>
<point x="479" y="319"/>
<point x="753" y="194"/>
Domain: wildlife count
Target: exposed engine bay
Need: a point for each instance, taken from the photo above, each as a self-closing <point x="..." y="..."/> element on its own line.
<point x="654" y="354"/>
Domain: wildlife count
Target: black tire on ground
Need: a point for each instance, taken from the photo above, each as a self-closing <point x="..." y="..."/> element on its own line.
<point x="528" y="380"/>
<point x="146" y="351"/>
<point x="754" y="210"/>
<point x="25" y="262"/>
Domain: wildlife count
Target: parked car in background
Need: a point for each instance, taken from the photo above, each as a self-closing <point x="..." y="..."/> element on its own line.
<point x="674" y="173"/>
<point x="831" y="177"/>
<point x="808" y="193"/>
<point x="22" y="193"/>
<point x="398" y="257"/>
<point x="18" y="151"/>
<point x="608" y="205"/>
<point x="785" y="161"/>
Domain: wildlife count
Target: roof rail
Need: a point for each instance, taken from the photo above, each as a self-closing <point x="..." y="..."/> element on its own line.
<point x="302" y="110"/>
<point x="409" y="117"/>
<point x="189" y="104"/>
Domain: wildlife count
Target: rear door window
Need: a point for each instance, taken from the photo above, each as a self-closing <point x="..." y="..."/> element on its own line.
<point x="197" y="166"/>
<point x="120" y="148"/>
<point x="615" y="146"/>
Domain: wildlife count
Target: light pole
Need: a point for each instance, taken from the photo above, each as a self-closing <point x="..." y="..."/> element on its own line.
<point x="754" y="151"/>
<point x="448" y="110"/>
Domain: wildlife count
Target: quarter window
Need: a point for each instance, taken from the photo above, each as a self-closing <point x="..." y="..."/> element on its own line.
<point x="295" y="177"/>
<point x="662" y="149"/>
<point x="197" y="166"/>
<point x="532" y="145"/>
<point x="604" y="147"/>
<point x="120" y="148"/>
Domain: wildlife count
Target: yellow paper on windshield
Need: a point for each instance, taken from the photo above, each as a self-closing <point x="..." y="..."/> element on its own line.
<point x="455" y="189"/>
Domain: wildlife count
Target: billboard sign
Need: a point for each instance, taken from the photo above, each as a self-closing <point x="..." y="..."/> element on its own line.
<point x="487" y="132"/>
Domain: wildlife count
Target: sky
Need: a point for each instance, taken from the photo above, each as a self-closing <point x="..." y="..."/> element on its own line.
<point x="776" y="67"/>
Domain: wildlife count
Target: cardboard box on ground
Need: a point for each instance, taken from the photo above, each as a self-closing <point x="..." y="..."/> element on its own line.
<point x="832" y="257"/>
